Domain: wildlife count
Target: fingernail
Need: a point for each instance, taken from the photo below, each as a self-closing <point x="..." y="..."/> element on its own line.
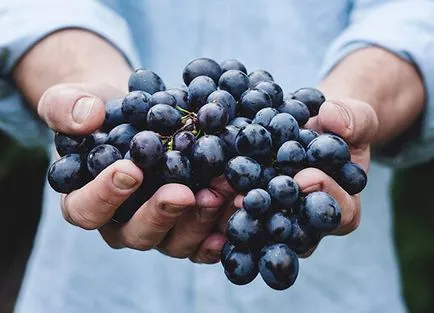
<point x="123" y="181"/>
<point x="82" y="108"/>
<point x="208" y="214"/>
<point x="343" y="112"/>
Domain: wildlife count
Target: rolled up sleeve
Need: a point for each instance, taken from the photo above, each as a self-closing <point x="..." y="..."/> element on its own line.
<point x="406" y="28"/>
<point x="25" y="22"/>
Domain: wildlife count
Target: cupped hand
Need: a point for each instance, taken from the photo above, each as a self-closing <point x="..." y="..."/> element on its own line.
<point x="174" y="220"/>
<point x="357" y="123"/>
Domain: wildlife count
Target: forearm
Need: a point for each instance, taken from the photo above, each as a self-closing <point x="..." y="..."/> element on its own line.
<point x="70" y="56"/>
<point x="389" y="84"/>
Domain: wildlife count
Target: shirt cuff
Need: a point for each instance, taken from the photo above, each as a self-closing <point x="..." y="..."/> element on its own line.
<point x="26" y="23"/>
<point x="406" y="29"/>
<point x="23" y="24"/>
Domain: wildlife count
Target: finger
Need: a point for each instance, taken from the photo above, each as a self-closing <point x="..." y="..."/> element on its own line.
<point x="311" y="179"/>
<point x="355" y="121"/>
<point x="219" y="193"/>
<point x="75" y="108"/>
<point x="195" y="225"/>
<point x="154" y="219"/>
<point x="188" y="233"/>
<point x="238" y="202"/>
<point x="94" y="204"/>
<point x="209" y="250"/>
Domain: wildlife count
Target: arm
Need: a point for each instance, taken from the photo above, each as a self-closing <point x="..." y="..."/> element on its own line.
<point x="403" y="29"/>
<point x="74" y="56"/>
<point x="391" y="85"/>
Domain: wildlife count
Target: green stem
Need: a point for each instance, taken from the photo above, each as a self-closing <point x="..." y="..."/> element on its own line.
<point x="183" y="110"/>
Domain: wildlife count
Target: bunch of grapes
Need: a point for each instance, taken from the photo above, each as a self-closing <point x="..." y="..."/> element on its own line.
<point x="223" y="121"/>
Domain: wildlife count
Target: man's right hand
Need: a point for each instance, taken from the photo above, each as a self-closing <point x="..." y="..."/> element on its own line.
<point x="174" y="220"/>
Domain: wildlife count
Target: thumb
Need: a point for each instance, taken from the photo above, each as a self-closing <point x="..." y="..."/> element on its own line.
<point x="75" y="109"/>
<point x="355" y="121"/>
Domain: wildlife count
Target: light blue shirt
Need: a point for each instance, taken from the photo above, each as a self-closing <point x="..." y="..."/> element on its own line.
<point x="72" y="270"/>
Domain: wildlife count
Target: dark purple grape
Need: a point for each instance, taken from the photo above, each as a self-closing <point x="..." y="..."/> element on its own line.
<point x="183" y="141"/>
<point x="278" y="266"/>
<point x="235" y="82"/>
<point x="164" y="119"/>
<point x="279" y="227"/>
<point x="120" y="137"/>
<point x="306" y="136"/>
<point x="68" y="173"/>
<point x="212" y="118"/>
<point x="226" y="249"/>
<point x="258" y="76"/>
<point x="113" y="114"/>
<point x="284" y="191"/>
<point x="199" y="90"/>
<point x="254" y="141"/>
<point x="327" y="152"/>
<point x="252" y="101"/>
<point x="245" y="231"/>
<point x="264" y="116"/>
<point x="175" y="167"/>
<point x="301" y="240"/>
<point x="291" y="157"/>
<point x="283" y="127"/>
<point x="241" y="266"/>
<point x="209" y="157"/>
<point x="224" y="98"/>
<point x="351" y="177"/>
<point x="101" y="157"/>
<point x="228" y="135"/>
<point x="99" y="137"/>
<point x="240" y="122"/>
<point x="127" y="155"/>
<point x="163" y="97"/>
<point x="320" y="212"/>
<point x="181" y="97"/>
<point x="67" y="144"/>
<point x="297" y="109"/>
<point x="257" y="202"/>
<point x="135" y="107"/>
<point x="267" y="174"/>
<point x="232" y="64"/>
<point x="146" y="149"/>
<point x="274" y="91"/>
<point x="201" y="67"/>
<point x="243" y="173"/>
<point x="311" y="97"/>
<point x="145" y="80"/>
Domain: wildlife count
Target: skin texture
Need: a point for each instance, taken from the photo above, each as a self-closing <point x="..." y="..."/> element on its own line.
<point x="68" y="69"/>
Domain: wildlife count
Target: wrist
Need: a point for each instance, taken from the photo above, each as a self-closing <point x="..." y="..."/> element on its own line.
<point x="391" y="85"/>
<point x="70" y="56"/>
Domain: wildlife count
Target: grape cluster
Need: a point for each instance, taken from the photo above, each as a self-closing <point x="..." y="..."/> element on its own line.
<point x="223" y="121"/>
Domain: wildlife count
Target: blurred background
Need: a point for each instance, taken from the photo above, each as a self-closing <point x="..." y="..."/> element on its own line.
<point x="22" y="174"/>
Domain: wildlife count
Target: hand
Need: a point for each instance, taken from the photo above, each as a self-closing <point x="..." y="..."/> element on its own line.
<point x="174" y="221"/>
<point x="356" y="122"/>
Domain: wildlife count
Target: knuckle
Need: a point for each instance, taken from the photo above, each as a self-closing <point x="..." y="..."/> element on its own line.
<point x="158" y="222"/>
<point x="46" y="102"/>
<point x="143" y="244"/>
<point x="83" y="220"/>
<point x="179" y="253"/>
<point x="354" y="222"/>
<point x="106" y="198"/>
